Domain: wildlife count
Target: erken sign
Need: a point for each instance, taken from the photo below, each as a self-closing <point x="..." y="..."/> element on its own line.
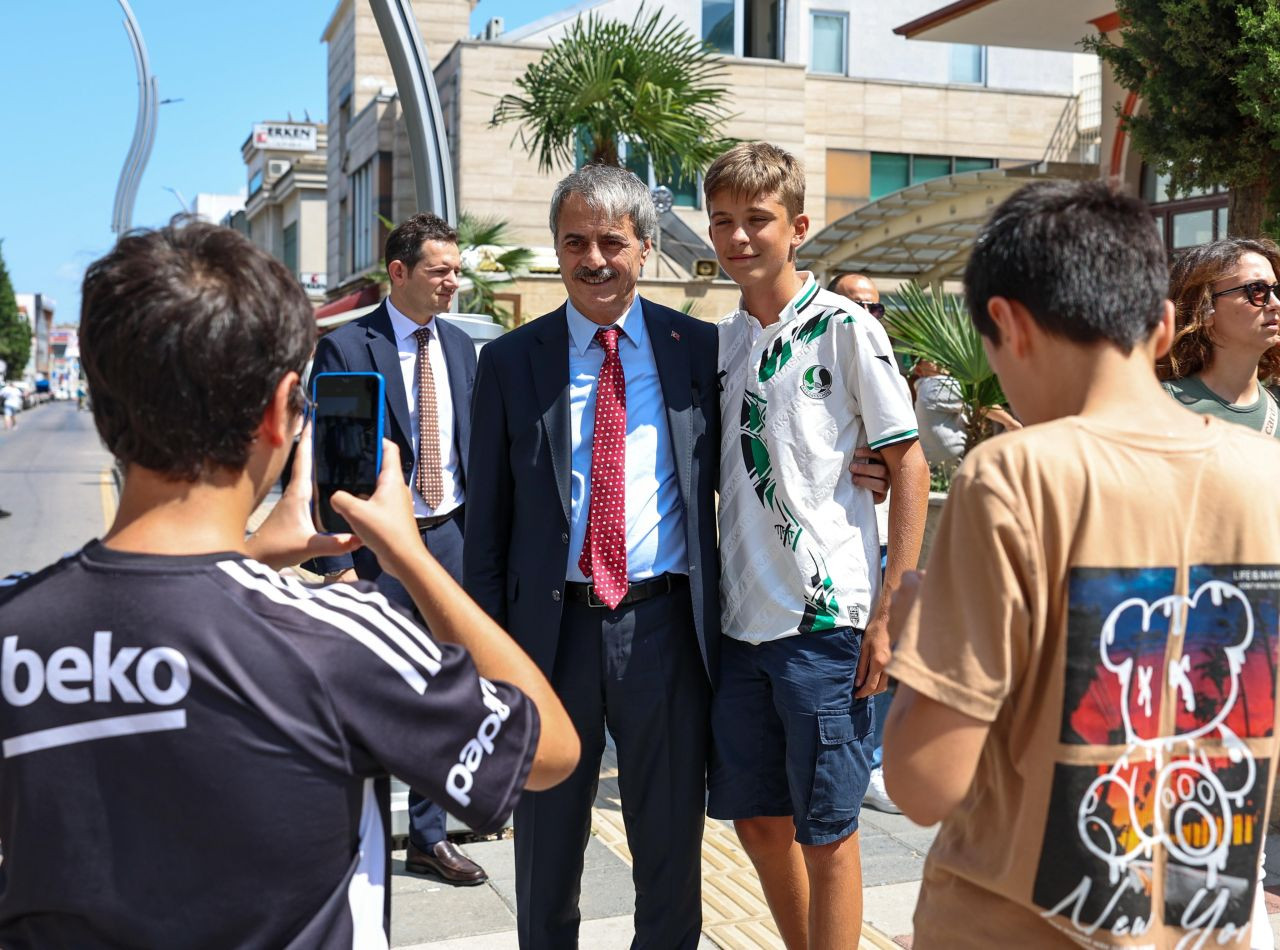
<point x="285" y="136"/>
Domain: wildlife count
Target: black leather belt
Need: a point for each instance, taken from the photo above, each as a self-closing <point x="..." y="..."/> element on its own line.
<point x="636" y="591"/>
<point x="434" y="521"/>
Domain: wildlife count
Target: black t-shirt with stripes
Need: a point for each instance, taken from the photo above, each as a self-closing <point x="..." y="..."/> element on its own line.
<point x="192" y="748"/>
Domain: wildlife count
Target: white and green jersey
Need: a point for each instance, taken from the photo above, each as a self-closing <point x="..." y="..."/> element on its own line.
<point x="798" y="544"/>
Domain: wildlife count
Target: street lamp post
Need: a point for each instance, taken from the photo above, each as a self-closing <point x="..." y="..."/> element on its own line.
<point x="144" y="130"/>
<point x="428" y="145"/>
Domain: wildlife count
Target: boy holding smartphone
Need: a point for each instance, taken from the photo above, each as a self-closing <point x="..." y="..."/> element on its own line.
<point x="203" y="740"/>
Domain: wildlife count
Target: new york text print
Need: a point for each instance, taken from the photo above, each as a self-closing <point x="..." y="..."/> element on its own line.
<point x="1157" y="811"/>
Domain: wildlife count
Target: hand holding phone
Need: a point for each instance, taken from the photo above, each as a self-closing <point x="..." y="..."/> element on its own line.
<point x="347" y="440"/>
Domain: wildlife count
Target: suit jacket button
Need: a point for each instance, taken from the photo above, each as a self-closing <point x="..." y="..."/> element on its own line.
<point x="564" y="537"/>
<point x="555" y="595"/>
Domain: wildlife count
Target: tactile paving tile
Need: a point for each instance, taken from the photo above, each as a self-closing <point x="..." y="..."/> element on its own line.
<point x="735" y="915"/>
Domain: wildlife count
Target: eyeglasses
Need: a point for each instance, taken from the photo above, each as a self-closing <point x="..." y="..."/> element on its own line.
<point x="875" y="309"/>
<point x="1259" y="292"/>
<point x="308" y="410"/>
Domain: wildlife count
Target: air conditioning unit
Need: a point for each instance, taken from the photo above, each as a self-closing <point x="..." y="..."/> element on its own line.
<point x="705" y="268"/>
<point x="277" y="167"/>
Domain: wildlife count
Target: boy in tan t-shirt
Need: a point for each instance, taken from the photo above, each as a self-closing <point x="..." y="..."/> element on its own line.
<point x="1088" y="669"/>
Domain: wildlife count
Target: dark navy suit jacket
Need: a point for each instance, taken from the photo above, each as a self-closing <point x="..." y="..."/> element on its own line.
<point x="517" y="527"/>
<point x="369" y="345"/>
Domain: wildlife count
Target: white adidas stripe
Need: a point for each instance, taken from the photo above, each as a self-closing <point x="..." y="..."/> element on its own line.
<point x="337" y="619"/>
<point x="372" y="608"/>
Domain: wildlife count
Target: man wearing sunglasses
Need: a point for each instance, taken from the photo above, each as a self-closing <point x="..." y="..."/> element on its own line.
<point x="859" y="289"/>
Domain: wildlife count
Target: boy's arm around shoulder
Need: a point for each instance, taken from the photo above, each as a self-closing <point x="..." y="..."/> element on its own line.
<point x="962" y="637"/>
<point x="908" y="505"/>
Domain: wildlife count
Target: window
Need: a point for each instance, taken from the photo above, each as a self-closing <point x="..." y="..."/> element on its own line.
<point x="891" y="171"/>
<point x="255" y="182"/>
<point x="762" y="29"/>
<point x="968" y="64"/>
<point x="718" y="25"/>
<point x="829" y="43"/>
<point x="289" y="250"/>
<point x="1186" y="218"/>
<point x="362" y="219"/>
<point x="927" y="167"/>
<point x="635" y="158"/>
<point x="744" y="27"/>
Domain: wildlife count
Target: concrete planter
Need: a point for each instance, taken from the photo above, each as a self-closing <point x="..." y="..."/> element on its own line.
<point x="936" y="500"/>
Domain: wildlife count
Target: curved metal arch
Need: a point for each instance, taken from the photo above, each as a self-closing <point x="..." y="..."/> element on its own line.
<point x="428" y="144"/>
<point x="144" y="130"/>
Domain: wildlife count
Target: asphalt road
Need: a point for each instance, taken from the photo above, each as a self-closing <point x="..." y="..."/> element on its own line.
<point x="55" y="481"/>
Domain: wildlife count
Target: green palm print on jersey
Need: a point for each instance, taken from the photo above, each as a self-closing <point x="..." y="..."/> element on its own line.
<point x="821" y="609"/>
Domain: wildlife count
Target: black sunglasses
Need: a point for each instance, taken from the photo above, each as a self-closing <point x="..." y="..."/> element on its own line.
<point x="1258" y="292"/>
<point x="875" y="309"/>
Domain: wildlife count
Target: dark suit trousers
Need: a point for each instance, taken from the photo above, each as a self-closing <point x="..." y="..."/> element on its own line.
<point x="444" y="541"/>
<point x="639" y="671"/>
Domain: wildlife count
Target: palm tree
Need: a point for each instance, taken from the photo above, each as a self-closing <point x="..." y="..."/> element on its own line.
<point x="486" y="253"/>
<point x="651" y="83"/>
<point x="934" y="326"/>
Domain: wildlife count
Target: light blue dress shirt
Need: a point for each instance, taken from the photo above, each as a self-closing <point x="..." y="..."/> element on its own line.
<point x="655" y="514"/>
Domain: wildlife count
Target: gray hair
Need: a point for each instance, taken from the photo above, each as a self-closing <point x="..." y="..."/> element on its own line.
<point x="611" y="191"/>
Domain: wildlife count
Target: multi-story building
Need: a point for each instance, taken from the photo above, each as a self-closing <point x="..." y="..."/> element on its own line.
<point x="869" y="112"/>
<point x="1050" y="26"/>
<point x="38" y="309"/>
<point x="216" y="208"/>
<point x="64" y="358"/>
<point x="286" y="213"/>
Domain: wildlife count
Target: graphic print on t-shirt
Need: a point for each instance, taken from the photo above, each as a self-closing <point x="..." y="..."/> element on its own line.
<point x="1161" y="798"/>
<point x="821" y="609"/>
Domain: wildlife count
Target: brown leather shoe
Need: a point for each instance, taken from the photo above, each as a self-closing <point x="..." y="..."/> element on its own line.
<point x="445" y="862"/>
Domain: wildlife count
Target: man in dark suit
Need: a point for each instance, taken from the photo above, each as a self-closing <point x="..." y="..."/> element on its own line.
<point x="429" y="367"/>
<point x="591" y="538"/>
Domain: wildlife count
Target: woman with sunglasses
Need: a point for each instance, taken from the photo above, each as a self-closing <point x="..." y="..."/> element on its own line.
<point x="1227" y="345"/>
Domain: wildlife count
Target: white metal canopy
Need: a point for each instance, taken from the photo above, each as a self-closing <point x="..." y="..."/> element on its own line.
<point x="924" y="232"/>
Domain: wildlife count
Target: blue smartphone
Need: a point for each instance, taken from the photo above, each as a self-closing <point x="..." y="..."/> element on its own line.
<point x="346" y="440"/>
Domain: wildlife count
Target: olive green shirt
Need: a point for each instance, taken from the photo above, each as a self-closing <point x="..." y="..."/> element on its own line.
<point x="1196" y="396"/>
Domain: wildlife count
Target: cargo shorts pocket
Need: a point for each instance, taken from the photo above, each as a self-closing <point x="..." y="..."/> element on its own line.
<point x="837" y="780"/>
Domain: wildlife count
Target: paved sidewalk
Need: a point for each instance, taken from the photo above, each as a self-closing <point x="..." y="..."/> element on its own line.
<point x="428" y="915"/>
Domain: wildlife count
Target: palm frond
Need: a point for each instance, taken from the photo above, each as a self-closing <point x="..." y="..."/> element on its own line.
<point x="936" y="327"/>
<point x="650" y="81"/>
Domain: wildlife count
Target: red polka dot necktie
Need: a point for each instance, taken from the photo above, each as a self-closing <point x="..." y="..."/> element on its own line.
<point x="604" y="554"/>
<point x="430" y="478"/>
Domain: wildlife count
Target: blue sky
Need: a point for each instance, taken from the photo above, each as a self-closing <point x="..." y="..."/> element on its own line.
<point x="69" y="98"/>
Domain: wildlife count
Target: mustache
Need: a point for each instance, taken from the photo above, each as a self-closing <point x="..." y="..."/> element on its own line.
<point x="602" y="273"/>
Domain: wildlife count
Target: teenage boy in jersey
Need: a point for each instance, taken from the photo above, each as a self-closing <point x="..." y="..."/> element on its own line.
<point x="1087" y="679"/>
<point x="195" y="747"/>
<point x="808" y="377"/>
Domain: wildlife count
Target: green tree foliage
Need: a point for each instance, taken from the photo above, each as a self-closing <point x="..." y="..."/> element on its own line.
<point x="650" y="82"/>
<point x="1208" y="74"/>
<point x="15" y="332"/>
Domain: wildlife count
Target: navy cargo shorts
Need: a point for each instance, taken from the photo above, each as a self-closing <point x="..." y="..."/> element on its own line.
<point x="789" y="738"/>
